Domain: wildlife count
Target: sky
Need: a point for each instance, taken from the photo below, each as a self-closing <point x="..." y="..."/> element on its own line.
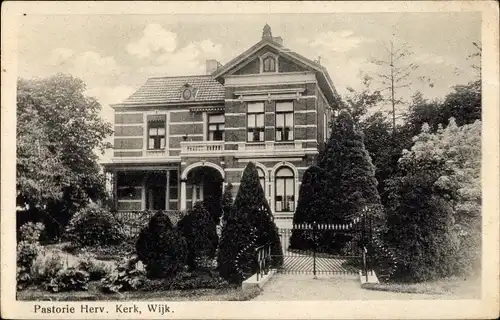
<point x="115" y="54"/>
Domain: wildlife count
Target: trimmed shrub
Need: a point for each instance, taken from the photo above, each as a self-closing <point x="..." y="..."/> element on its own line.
<point x="162" y="249"/>
<point x="69" y="279"/>
<point x="200" y="233"/>
<point x="310" y="207"/>
<point x="350" y="184"/>
<point x="93" y="225"/>
<point x="197" y="280"/>
<point x="250" y="211"/>
<point x="227" y="200"/>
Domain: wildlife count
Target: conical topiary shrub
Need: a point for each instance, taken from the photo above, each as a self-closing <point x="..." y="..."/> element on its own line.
<point x="250" y="211"/>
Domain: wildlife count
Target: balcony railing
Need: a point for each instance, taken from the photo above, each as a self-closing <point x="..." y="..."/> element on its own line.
<point x="270" y="146"/>
<point x="285" y="206"/>
<point x="200" y="147"/>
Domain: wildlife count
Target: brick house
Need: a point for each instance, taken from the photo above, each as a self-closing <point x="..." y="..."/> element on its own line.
<point x="178" y="140"/>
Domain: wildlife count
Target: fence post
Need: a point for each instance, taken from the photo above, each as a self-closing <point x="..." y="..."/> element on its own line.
<point x="315" y="237"/>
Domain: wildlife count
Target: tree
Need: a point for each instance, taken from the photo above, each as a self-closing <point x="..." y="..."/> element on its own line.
<point x="59" y="130"/>
<point x="395" y="74"/>
<point x="248" y="225"/>
<point x="419" y="222"/>
<point x="311" y="206"/>
<point x="359" y="103"/>
<point x="200" y="233"/>
<point x="351" y="183"/>
<point x="459" y="149"/>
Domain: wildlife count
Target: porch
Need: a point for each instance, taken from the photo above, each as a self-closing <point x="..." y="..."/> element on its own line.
<point x="152" y="188"/>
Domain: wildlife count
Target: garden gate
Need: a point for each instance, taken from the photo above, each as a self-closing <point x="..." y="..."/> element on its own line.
<point x="320" y="248"/>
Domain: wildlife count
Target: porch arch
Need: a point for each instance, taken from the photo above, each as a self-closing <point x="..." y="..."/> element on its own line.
<point x="202" y="164"/>
<point x="184" y="175"/>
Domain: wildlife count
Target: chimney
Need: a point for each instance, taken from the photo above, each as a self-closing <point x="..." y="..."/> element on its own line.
<point x="278" y="40"/>
<point x="212" y="65"/>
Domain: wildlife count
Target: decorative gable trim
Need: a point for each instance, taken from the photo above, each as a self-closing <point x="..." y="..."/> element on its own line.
<point x="276" y="61"/>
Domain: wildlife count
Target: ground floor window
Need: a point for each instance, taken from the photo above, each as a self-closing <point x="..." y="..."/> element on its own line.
<point x="284" y="190"/>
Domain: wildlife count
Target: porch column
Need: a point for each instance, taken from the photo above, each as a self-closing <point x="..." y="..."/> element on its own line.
<point x="167" y="191"/>
<point x="183" y="195"/>
<point x="143" y="194"/>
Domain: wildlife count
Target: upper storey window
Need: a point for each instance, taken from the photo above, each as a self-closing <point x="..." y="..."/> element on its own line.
<point x="284" y="121"/>
<point x="216" y="127"/>
<point x="255" y="121"/>
<point x="156" y="132"/>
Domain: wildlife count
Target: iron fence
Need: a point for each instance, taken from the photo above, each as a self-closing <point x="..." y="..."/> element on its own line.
<point x="315" y="248"/>
<point x="263" y="254"/>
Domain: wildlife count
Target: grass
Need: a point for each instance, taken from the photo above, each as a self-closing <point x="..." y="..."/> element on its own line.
<point x="94" y="294"/>
<point x="455" y="286"/>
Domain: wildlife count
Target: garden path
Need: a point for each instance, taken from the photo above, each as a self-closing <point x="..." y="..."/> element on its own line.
<point x="331" y="287"/>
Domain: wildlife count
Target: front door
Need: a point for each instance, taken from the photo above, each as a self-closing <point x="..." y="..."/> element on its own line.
<point x="156" y="192"/>
<point x="156" y="198"/>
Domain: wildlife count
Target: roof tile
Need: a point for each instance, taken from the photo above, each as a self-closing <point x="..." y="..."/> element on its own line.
<point x="169" y="89"/>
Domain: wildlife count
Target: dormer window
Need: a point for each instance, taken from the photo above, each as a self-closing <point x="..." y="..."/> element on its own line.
<point x="268" y="63"/>
<point x="188" y="92"/>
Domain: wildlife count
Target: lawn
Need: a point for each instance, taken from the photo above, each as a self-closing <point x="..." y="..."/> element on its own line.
<point x="94" y="294"/>
<point x="454" y="286"/>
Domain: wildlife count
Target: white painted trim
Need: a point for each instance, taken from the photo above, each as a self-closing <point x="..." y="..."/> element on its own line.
<point x="306" y="126"/>
<point x="268" y="91"/>
<point x="189" y="135"/>
<point x="205" y="125"/>
<point x="237" y="128"/>
<point x="261" y="60"/>
<point x="308" y="97"/>
<point x="305" y="111"/>
<point x="159" y="160"/>
<point x="174" y="149"/>
<point x="235" y="114"/>
<point x="179" y="111"/>
<point x="202" y="164"/>
<point x="129" y="200"/>
<point x="269" y="159"/>
<point x="270" y="78"/>
<point x="186" y="123"/>
<point x="233" y="169"/>
<point x="305" y="140"/>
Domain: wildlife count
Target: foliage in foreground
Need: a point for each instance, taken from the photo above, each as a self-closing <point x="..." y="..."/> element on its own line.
<point x="161" y="248"/>
<point x="55" y="176"/>
<point x="199" y="230"/>
<point x="93" y="226"/>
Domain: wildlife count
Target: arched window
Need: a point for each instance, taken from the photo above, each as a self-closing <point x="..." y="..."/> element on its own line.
<point x="269" y="64"/>
<point x="284" y="190"/>
<point x="262" y="179"/>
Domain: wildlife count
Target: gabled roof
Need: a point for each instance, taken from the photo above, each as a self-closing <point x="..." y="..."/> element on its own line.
<point x="160" y="90"/>
<point x="325" y="81"/>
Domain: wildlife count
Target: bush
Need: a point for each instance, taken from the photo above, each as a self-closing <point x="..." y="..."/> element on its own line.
<point x="227" y="200"/>
<point x="96" y="269"/>
<point x="46" y="266"/>
<point x="162" y="249"/>
<point x="200" y="233"/>
<point x="26" y="254"/>
<point x="93" y="225"/>
<point x="420" y="221"/>
<point x="31" y="232"/>
<point x="69" y="279"/>
<point x="124" y="278"/>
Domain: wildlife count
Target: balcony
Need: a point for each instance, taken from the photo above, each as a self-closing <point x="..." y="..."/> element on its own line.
<point x="201" y="148"/>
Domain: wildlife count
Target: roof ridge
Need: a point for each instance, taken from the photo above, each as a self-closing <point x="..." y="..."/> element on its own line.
<point x="191" y="76"/>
